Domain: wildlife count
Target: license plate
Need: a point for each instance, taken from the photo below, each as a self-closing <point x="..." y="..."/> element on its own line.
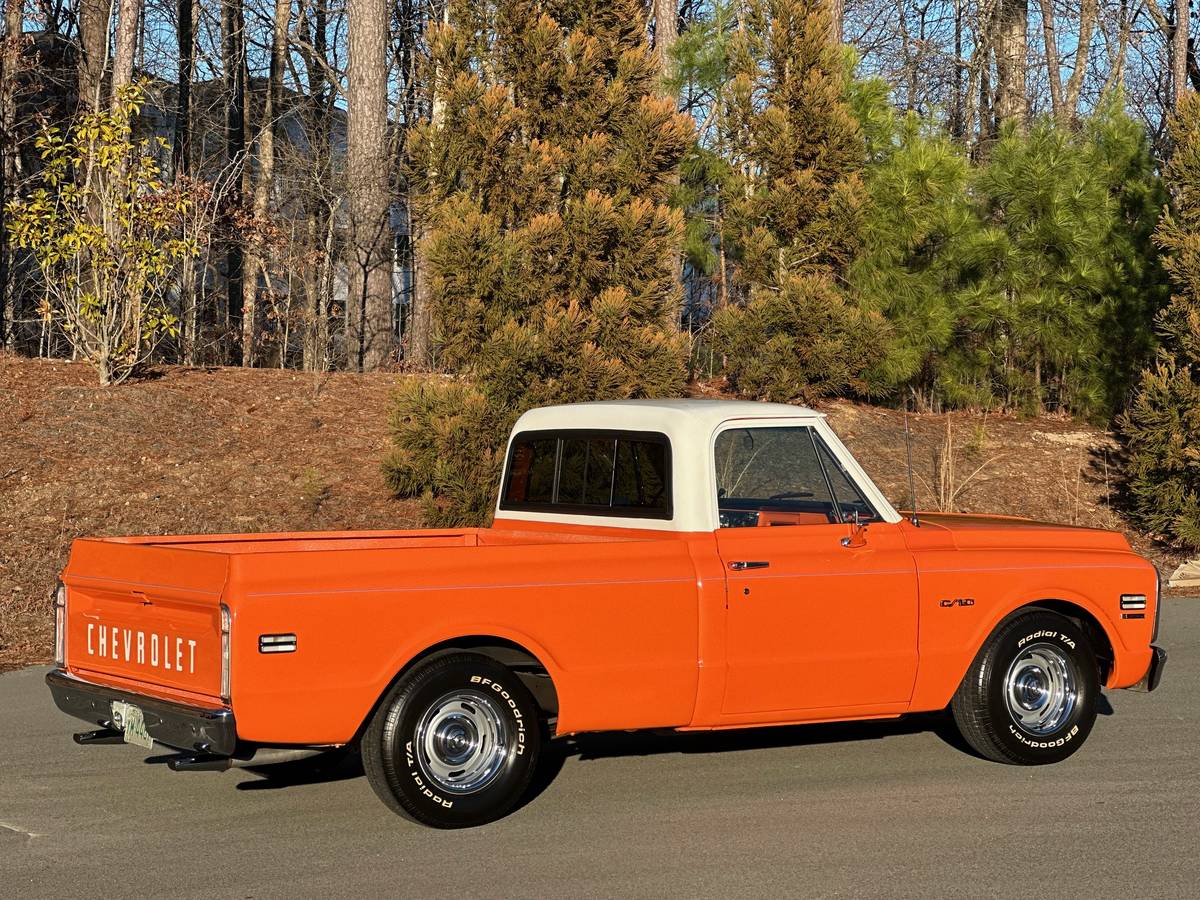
<point x="132" y="723"/>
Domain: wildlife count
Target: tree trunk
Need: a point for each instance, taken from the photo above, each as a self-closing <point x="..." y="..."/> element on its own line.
<point x="837" y="13"/>
<point x="125" y="45"/>
<point x="1179" y="53"/>
<point x="987" y="110"/>
<point x="233" y="61"/>
<point x="1087" y="23"/>
<point x="420" y="343"/>
<point x="1012" y="45"/>
<point x="419" y="349"/>
<point x="1116" y="66"/>
<point x="256" y="261"/>
<point x="93" y="50"/>
<point x="666" y="32"/>
<point x="958" y="127"/>
<point x="181" y="167"/>
<point x="1053" y="65"/>
<point x="14" y="18"/>
<point x="320" y="223"/>
<point x="370" y="251"/>
<point x="181" y="146"/>
<point x="9" y="50"/>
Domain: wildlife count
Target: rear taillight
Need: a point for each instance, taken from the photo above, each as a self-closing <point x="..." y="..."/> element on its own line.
<point x="226" y="648"/>
<point x="60" y="625"/>
<point x="1157" y="604"/>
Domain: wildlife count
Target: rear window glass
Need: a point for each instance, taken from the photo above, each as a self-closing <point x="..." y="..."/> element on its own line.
<point x="594" y="473"/>
<point x="531" y="470"/>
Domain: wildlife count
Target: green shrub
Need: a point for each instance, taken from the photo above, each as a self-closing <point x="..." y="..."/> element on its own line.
<point x="800" y="342"/>
<point x="107" y="235"/>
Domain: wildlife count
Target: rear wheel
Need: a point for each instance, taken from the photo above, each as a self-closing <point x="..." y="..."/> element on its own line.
<point x="454" y="742"/>
<point x="1029" y="697"/>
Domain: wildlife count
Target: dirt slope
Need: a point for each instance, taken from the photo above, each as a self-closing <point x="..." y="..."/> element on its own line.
<point x="226" y="450"/>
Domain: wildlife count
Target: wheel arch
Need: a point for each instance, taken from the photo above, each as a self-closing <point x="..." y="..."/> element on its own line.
<point x="1078" y="610"/>
<point x="526" y="664"/>
<point x="1086" y="619"/>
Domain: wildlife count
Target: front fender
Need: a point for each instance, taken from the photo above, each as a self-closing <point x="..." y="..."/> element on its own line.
<point x="951" y="637"/>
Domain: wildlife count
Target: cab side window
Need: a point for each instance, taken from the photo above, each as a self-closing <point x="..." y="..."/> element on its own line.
<point x="846" y="494"/>
<point x="781" y="476"/>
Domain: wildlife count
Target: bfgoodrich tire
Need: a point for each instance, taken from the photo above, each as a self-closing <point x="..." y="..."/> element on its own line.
<point x="454" y="742"/>
<point x="1029" y="697"/>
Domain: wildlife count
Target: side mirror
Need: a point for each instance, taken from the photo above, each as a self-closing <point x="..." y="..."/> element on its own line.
<point x="858" y="532"/>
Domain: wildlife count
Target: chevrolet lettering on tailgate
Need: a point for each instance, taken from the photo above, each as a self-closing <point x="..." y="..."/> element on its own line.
<point x="132" y="646"/>
<point x="686" y="564"/>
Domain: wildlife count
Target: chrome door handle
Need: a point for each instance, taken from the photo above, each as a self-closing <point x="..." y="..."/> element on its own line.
<point x="742" y="565"/>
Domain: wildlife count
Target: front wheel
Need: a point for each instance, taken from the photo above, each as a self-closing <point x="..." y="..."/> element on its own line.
<point x="454" y="742"/>
<point x="1029" y="697"/>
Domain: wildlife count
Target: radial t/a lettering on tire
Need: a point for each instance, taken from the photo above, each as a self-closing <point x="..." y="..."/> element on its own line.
<point x="454" y="743"/>
<point x="1029" y="697"/>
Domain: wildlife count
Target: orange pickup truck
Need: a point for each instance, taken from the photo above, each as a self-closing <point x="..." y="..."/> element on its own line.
<point x="687" y="565"/>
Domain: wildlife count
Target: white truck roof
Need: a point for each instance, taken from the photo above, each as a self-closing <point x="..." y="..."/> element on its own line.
<point x="696" y="418"/>
<point x="690" y="426"/>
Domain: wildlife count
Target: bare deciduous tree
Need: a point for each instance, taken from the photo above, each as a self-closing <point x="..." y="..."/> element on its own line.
<point x="367" y="178"/>
<point x="10" y="50"/>
<point x="256" y="262"/>
<point x="420" y="336"/>
<point x="92" y="21"/>
<point x="128" y="15"/>
<point x="233" y="60"/>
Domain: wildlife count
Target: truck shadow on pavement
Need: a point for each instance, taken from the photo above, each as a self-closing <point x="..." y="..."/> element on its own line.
<point x="608" y="745"/>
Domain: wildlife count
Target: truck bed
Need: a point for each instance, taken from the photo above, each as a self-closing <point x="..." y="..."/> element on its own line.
<point x="145" y="615"/>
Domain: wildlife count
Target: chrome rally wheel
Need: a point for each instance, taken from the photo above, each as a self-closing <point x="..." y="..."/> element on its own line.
<point x="462" y="742"/>
<point x="1041" y="689"/>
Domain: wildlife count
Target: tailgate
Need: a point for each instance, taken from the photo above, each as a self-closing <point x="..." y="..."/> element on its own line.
<point x="146" y="614"/>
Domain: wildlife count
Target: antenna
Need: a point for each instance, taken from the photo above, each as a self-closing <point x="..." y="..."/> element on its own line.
<point x="912" y="491"/>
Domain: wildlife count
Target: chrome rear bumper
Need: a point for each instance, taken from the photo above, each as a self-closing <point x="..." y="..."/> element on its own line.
<point x="177" y="725"/>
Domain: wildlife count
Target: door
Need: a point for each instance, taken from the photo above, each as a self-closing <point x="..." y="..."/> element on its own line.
<point x="822" y="613"/>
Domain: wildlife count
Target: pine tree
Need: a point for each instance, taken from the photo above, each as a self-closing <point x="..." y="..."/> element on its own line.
<point x="1137" y="284"/>
<point x="699" y="74"/>
<point x="911" y="268"/>
<point x="1162" y="427"/>
<point x="1048" y="271"/>
<point x="1023" y="281"/>
<point x="546" y="185"/>
<point x="794" y="210"/>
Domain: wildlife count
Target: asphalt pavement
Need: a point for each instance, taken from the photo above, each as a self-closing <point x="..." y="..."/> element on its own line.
<point x="860" y="810"/>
